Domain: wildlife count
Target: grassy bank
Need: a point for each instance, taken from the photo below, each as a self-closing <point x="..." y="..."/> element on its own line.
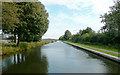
<point x="97" y="48"/>
<point x="9" y="48"/>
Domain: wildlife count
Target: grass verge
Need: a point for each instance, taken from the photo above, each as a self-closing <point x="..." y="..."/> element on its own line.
<point x="89" y="47"/>
<point x="9" y="48"/>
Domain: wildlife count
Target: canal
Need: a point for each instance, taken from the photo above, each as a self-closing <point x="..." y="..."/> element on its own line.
<point x="57" y="57"/>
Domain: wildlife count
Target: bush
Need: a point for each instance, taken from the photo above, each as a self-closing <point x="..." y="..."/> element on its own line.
<point x="11" y="47"/>
<point x="7" y="50"/>
<point x="23" y="45"/>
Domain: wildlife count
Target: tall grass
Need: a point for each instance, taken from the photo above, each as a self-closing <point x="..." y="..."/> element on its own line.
<point x="8" y="48"/>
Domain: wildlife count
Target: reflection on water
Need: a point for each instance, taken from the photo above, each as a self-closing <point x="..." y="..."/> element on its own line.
<point x="15" y="59"/>
<point x="32" y="62"/>
<point x="57" y="57"/>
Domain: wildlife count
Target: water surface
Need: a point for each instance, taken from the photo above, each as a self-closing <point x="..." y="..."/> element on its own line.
<point x="57" y="57"/>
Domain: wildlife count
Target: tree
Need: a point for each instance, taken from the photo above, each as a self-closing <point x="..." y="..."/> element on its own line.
<point x="9" y="18"/>
<point x="112" y="24"/>
<point x="109" y="34"/>
<point x="32" y="20"/>
<point x="61" y="38"/>
<point x="85" y="37"/>
<point x="67" y="35"/>
<point x="75" y="38"/>
<point x="35" y="18"/>
<point x="87" y="30"/>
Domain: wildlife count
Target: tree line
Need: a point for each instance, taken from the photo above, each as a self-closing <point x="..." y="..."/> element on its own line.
<point x="26" y="20"/>
<point x="109" y="34"/>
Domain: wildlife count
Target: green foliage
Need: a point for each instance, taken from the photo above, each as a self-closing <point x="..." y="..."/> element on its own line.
<point x="107" y="35"/>
<point x="85" y="37"/>
<point x="66" y="36"/>
<point x="75" y="38"/>
<point x="24" y="45"/>
<point x="111" y="30"/>
<point x="87" y="30"/>
<point x="9" y="16"/>
<point x="8" y="48"/>
<point x="35" y="20"/>
<point x="61" y="38"/>
<point x="28" y="20"/>
<point x="97" y="48"/>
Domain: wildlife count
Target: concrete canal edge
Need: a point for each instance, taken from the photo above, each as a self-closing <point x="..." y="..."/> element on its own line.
<point x="110" y="57"/>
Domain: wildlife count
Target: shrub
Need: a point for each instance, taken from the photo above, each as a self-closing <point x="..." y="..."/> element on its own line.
<point x="11" y="47"/>
<point x="24" y="45"/>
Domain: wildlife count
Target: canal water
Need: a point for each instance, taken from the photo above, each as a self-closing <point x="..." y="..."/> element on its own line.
<point x="57" y="57"/>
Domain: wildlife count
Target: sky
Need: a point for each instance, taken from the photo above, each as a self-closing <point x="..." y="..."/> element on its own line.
<point x="74" y="15"/>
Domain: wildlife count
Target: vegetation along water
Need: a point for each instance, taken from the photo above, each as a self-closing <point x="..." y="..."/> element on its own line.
<point x="106" y="40"/>
<point x="23" y="49"/>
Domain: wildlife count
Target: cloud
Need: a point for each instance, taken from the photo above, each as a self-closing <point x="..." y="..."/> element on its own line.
<point x="59" y="24"/>
<point x="102" y="6"/>
<point x="71" y="4"/>
<point x="74" y="23"/>
<point x="98" y="6"/>
<point x="88" y="21"/>
<point x="86" y="14"/>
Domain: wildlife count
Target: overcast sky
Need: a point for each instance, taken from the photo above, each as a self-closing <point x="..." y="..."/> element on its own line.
<point x="74" y="15"/>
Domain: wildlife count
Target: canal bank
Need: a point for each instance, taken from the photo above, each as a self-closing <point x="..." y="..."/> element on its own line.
<point x="57" y="57"/>
<point x="107" y="56"/>
<point x="11" y="48"/>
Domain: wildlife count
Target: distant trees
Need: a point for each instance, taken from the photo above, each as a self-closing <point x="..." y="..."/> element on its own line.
<point x="85" y="35"/>
<point x="82" y="35"/>
<point x="66" y="36"/>
<point x="28" y="20"/>
<point x="61" y="38"/>
<point x="109" y="34"/>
